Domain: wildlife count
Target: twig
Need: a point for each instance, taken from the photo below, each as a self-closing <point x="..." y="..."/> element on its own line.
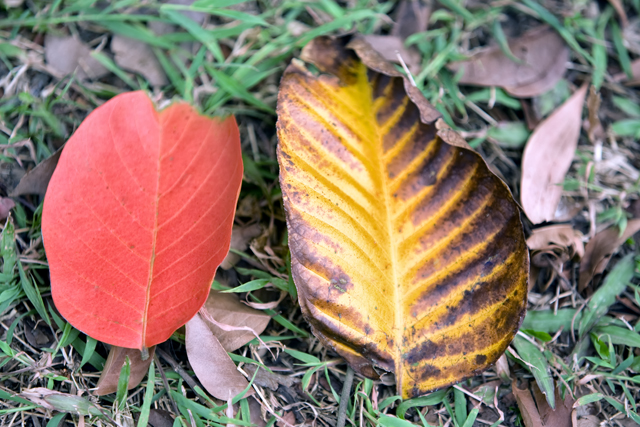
<point x="177" y="368"/>
<point x="344" y="398"/>
<point x="166" y="383"/>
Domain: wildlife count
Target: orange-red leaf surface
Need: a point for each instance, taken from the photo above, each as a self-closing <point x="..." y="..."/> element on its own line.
<point x="138" y="216"/>
<point x="407" y="252"/>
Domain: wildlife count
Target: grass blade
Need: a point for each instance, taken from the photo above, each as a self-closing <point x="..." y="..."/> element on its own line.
<point x="614" y="284"/>
<point x="538" y="366"/>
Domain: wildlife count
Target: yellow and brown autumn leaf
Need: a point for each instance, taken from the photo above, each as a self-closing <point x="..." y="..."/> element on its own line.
<point x="407" y="252"/>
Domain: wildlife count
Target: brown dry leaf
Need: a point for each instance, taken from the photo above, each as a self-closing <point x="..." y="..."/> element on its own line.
<point x="588" y="421"/>
<point x="240" y="238"/>
<point x="211" y="363"/>
<point x="256" y="413"/>
<point x="287" y="420"/>
<point x="227" y="309"/>
<point x="108" y="382"/>
<point x="527" y="406"/>
<point x="389" y="47"/>
<point x="553" y="237"/>
<point x="600" y="248"/>
<point x="544" y="57"/>
<point x="160" y="418"/>
<point x="66" y="54"/>
<point x="561" y="416"/>
<point x="547" y="158"/>
<point x="6" y="204"/>
<point x="268" y="379"/>
<point x="37" y="179"/>
<point x="595" y="130"/>
<point x="136" y="56"/>
<point x="412" y="17"/>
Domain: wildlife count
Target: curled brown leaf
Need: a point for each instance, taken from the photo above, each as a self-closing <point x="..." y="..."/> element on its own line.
<point x="542" y="52"/>
<point x="211" y="363"/>
<point x="226" y="309"/>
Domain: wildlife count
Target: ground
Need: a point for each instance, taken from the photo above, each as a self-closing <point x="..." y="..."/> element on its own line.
<point x="229" y="60"/>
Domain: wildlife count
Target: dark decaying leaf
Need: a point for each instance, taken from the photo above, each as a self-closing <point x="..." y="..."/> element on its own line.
<point x="108" y="382"/>
<point x="211" y="363"/>
<point x="558" y="417"/>
<point x="407" y="252"/>
<point x="37" y="179"/>
<point x="600" y="248"/>
<point x="538" y="413"/>
<point x="527" y="406"/>
<point x="227" y="309"/>
<point x="160" y="418"/>
<point x="544" y="57"/>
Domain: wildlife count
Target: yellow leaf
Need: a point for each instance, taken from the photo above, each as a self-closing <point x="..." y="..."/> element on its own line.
<point x="407" y="252"/>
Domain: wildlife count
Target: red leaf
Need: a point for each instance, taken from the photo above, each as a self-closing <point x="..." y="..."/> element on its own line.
<point x="138" y="216"/>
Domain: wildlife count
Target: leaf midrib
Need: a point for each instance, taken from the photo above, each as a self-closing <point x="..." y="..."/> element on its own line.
<point x="378" y="154"/>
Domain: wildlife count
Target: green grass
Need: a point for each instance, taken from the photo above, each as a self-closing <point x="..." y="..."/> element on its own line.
<point x="232" y="66"/>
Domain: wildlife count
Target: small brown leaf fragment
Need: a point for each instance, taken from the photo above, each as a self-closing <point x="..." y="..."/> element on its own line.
<point x="255" y="407"/>
<point x="211" y="363"/>
<point x="240" y="238"/>
<point x="108" y="382"/>
<point x="37" y="179"/>
<point x="66" y="54"/>
<point x="287" y="420"/>
<point x="561" y="416"/>
<point x="412" y="17"/>
<point x="6" y="204"/>
<point x="268" y="379"/>
<point x="450" y="136"/>
<point x="595" y="131"/>
<point x="527" y="406"/>
<point x="160" y="418"/>
<point x="544" y="56"/>
<point x="600" y="248"/>
<point x="389" y="47"/>
<point x="136" y="56"/>
<point x="228" y="310"/>
<point x="561" y="236"/>
<point x="547" y="158"/>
